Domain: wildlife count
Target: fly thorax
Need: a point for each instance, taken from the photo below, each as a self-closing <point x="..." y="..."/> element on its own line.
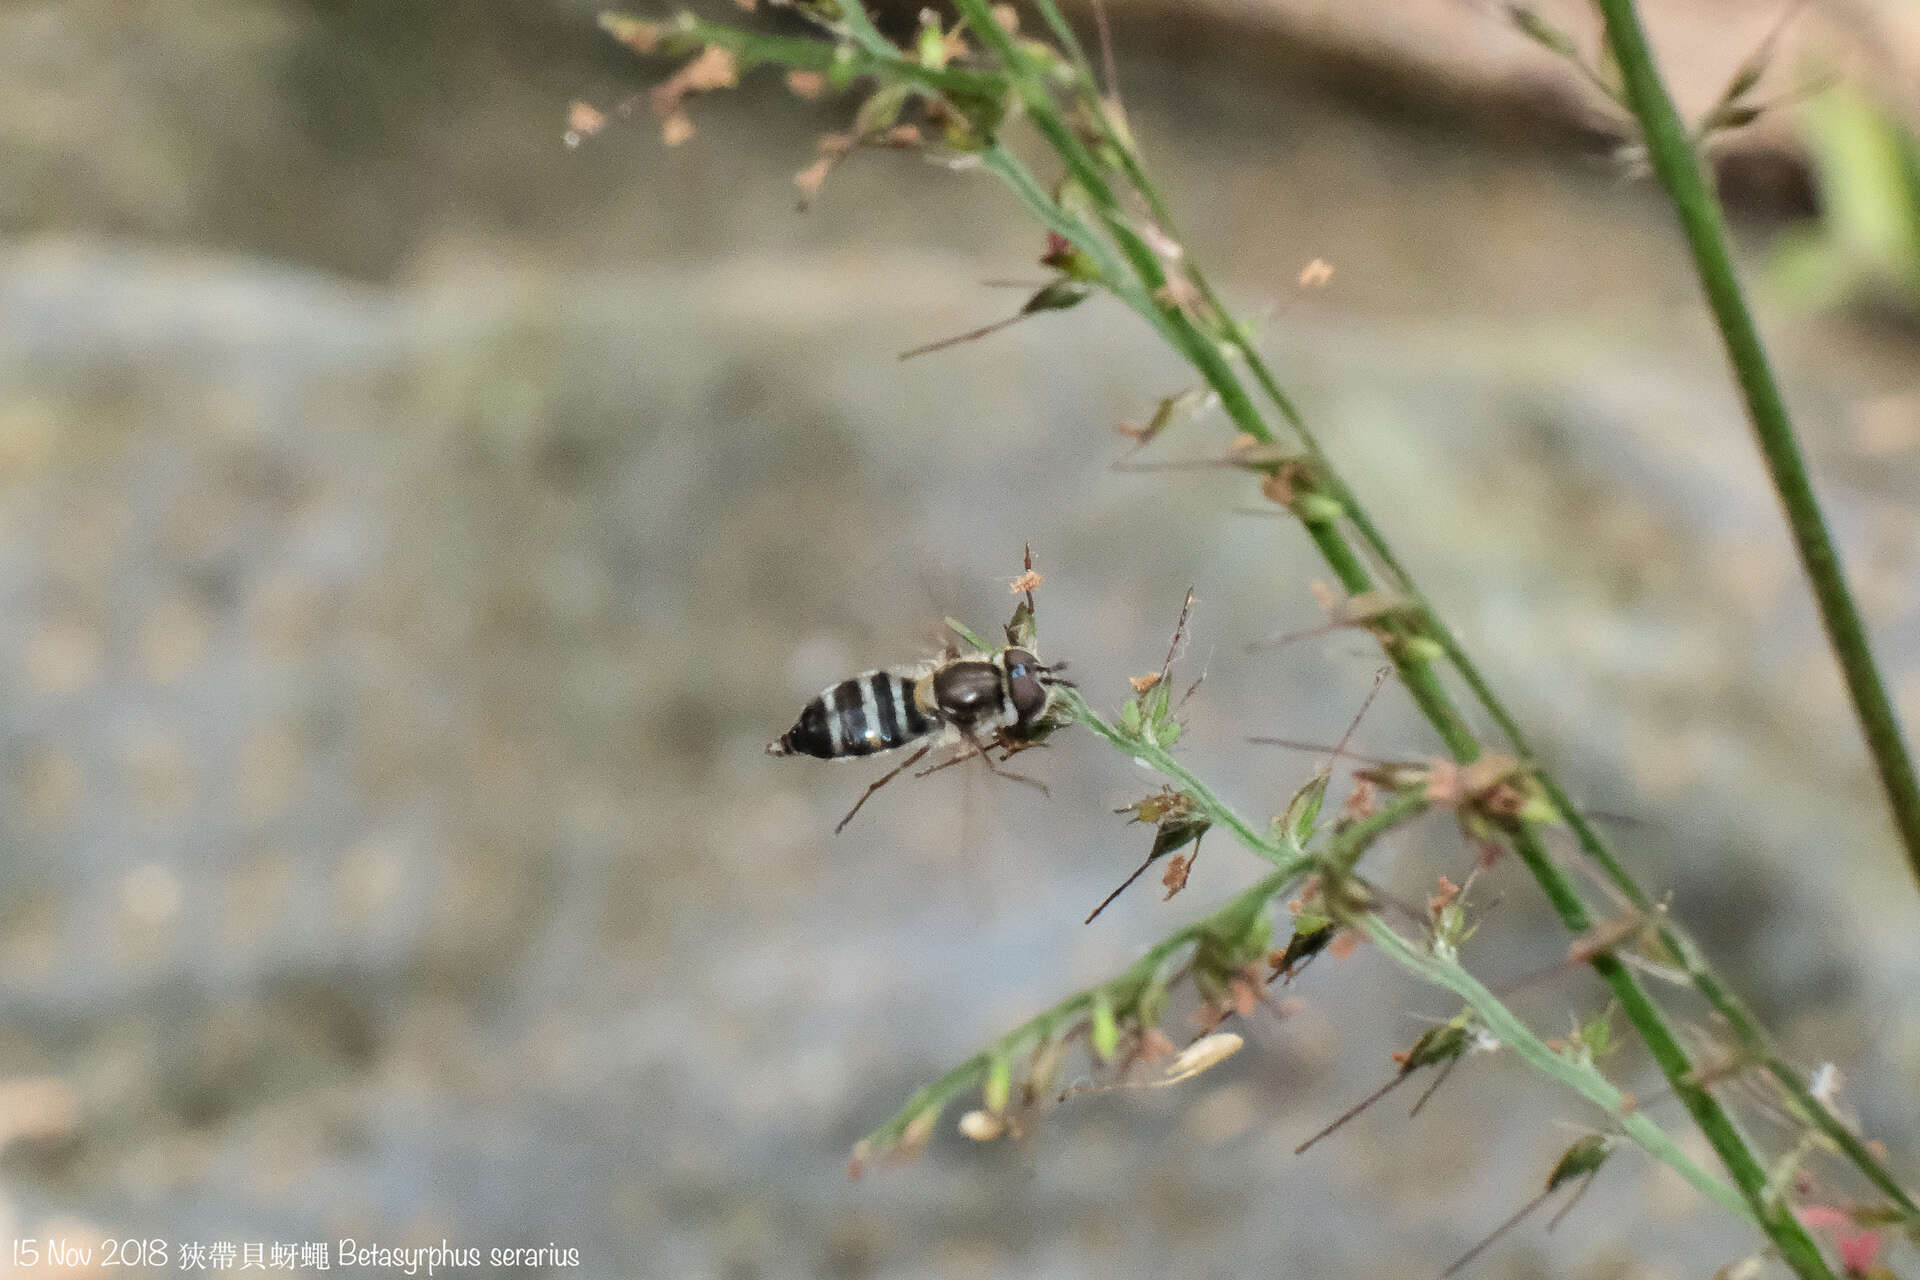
<point x="972" y="695"/>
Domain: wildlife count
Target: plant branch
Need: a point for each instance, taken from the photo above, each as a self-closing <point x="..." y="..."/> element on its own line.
<point x="1122" y="996"/>
<point x="1125" y="251"/>
<point x="1505" y="1026"/>
<point x="1671" y="151"/>
<point x="1157" y="758"/>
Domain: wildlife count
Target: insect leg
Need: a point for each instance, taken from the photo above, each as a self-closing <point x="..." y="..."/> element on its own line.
<point x="944" y="764"/>
<point x="885" y="778"/>
<point x="986" y="758"/>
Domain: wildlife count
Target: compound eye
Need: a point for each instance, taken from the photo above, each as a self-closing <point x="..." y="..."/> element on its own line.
<point x="1024" y="685"/>
<point x="1029" y="697"/>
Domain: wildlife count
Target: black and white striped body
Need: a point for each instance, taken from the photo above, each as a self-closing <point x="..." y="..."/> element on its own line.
<point x="863" y="716"/>
<point x="976" y="698"/>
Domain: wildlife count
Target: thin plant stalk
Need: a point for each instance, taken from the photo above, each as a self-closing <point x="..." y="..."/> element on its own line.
<point x="1672" y="152"/>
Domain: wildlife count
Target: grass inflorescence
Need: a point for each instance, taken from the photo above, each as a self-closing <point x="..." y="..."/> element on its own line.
<point x="956" y="89"/>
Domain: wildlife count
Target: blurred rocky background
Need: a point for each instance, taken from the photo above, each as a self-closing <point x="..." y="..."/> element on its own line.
<point x="413" y="528"/>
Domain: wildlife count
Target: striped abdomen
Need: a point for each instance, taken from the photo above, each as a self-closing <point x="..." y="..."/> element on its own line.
<point x="863" y="716"/>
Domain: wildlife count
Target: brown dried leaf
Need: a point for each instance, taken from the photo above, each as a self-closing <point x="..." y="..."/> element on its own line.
<point x="1443" y="897"/>
<point x="1143" y="683"/>
<point x="1175" y="878"/>
<point x="1028" y="581"/>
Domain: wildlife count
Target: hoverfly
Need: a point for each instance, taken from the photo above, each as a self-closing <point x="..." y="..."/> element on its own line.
<point x="986" y="699"/>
